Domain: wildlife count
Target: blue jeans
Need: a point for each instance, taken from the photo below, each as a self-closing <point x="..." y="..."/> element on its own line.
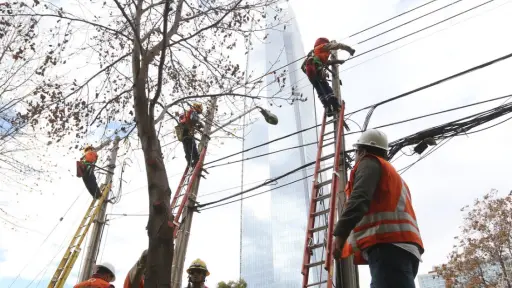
<point x="392" y="267"/>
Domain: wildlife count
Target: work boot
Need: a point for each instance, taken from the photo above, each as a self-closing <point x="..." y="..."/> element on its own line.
<point x="99" y="192"/>
<point x="329" y="111"/>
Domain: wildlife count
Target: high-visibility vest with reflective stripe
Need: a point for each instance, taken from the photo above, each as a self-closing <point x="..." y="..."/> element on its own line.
<point x="390" y="217"/>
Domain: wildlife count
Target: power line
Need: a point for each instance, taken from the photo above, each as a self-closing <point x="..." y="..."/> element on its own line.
<point x="425" y="28"/>
<point x="350" y="133"/>
<point x="389" y="19"/>
<point x="408" y="22"/>
<point x="475" y="68"/>
<point x="451" y="128"/>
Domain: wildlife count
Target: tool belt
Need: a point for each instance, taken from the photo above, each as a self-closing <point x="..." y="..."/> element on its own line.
<point x="180" y="130"/>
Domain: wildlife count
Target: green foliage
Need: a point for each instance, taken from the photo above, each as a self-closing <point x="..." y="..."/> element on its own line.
<point x="233" y="284"/>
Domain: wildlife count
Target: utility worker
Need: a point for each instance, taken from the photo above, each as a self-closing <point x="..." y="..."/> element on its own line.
<point x="135" y="277"/>
<point x="197" y="273"/>
<point x="378" y="224"/>
<point x="85" y="169"/>
<point x="314" y="67"/>
<point x="188" y="122"/>
<point x="105" y="273"/>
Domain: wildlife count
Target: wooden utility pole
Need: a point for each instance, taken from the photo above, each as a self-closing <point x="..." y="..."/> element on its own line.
<point x="346" y="271"/>
<point x="95" y="240"/>
<point x="181" y="243"/>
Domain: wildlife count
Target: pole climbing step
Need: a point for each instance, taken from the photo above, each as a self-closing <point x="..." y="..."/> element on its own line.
<point x="182" y="194"/>
<point x="68" y="260"/>
<point x="318" y="245"/>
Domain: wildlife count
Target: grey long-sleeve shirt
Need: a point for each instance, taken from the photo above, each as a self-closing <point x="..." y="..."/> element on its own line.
<point x="366" y="180"/>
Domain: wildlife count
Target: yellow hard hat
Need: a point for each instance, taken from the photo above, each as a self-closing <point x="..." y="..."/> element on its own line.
<point x="88" y="147"/>
<point x="198" y="107"/>
<point x="198" y="264"/>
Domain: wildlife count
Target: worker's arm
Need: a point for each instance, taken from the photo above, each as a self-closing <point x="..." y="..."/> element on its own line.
<point x="334" y="46"/>
<point x="137" y="271"/>
<point x="365" y="183"/>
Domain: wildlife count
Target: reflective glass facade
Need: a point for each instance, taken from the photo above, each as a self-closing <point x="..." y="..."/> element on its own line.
<point x="274" y="223"/>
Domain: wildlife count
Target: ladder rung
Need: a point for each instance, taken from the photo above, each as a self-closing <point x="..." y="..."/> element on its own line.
<point x="323" y="197"/>
<point x="322" y="184"/>
<point x="321" y="212"/>
<point x="317" y="283"/>
<point x="316" y="246"/>
<point x="325" y="169"/>
<point x="316" y="229"/>
<point x="327" y="133"/>
<point x="314" y="264"/>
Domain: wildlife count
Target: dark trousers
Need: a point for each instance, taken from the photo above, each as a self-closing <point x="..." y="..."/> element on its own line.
<point x="325" y="93"/>
<point x="392" y="267"/>
<point x="191" y="153"/>
<point x="90" y="182"/>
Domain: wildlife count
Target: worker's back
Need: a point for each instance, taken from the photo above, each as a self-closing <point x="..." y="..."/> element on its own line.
<point x="94" y="283"/>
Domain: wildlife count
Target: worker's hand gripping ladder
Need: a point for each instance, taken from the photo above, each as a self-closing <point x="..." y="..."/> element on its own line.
<point x="66" y="264"/>
<point x="182" y="194"/>
<point x="318" y="247"/>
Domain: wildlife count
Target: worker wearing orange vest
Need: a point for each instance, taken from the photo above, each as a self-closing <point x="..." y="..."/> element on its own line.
<point x="135" y="277"/>
<point x="188" y="122"/>
<point x="314" y="68"/>
<point x="85" y="169"/>
<point x="197" y="273"/>
<point x="105" y="273"/>
<point x="378" y="224"/>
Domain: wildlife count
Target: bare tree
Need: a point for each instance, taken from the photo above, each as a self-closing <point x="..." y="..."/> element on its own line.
<point x="151" y="56"/>
<point x="482" y="256"/>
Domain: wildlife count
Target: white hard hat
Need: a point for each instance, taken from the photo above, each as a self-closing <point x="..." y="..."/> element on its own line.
<point x="373" y="138"/>
<point x="109" y="267"/>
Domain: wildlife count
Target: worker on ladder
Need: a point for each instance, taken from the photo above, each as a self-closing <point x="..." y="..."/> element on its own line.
<point x="135" y="277"/>
<point x="188" y="121"/>
<point x="314" y="67"/>
<point x="378" y="224"/>
<point x="197" y="273"/>
<point x="85" y="169"/>
<point x="104" y="275"/>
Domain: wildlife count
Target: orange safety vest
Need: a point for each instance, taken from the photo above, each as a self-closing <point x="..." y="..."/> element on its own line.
<point x="127" y="282"/>
<point x="390" y="218"/>
<point x="321" y="53"/>
<point x="94" y="283"/>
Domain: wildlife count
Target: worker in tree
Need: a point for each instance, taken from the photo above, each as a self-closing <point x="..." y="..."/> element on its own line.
<point x="85" y="169"/>
<point x="197" y="273"/>
<point x="314" y="67"/>
<point x="188" y="122"/>
<point x="378" y="224"/>
<point x="105" y="273"/>
<point x="135" y="277"/>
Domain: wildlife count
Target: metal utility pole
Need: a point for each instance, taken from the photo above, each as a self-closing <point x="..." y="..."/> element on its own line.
<point x="95" y="240"/>
<point x="346" y="271"/>
<point x="182" y="239"/>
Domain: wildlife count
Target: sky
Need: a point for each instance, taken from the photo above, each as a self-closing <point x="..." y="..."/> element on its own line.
<point x="440" y="184"/>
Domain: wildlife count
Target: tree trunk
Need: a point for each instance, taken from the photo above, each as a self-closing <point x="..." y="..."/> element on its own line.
<point x="160" y="229"/>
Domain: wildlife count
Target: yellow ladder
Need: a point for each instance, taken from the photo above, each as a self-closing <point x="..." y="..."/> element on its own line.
<point x="69" y="259"/>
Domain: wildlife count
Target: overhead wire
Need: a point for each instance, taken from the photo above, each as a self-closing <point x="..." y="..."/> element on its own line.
<point x="418" y="31"/>
<point x="408" y="22"/>
<point x="447" y="130"/>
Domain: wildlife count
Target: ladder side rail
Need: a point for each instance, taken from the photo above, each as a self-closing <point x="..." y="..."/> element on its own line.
<point x="67" y="254"/>
<point x="184" y="200"/>
<point x="312" y="207"/>
<point x="69" y="265"/>
<point x="334" y="189"/>
<point x="180" y="186"/>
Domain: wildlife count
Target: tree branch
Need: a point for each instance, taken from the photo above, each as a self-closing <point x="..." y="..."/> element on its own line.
<point x="162" y="56"/>
<point x="72" y="19"/>
<point x="162" y="114"/>
<point x="136" y="36"/>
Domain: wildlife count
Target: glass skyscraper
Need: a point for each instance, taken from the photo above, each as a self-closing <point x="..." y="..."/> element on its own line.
<point x="274" y="223"/>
